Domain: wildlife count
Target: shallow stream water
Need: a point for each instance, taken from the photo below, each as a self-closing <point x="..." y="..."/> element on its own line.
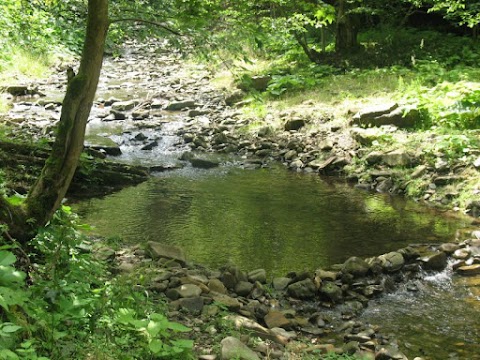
<point x="284" y="221"/>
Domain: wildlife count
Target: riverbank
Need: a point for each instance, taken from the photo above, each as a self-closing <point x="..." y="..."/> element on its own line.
<point x="146" y="99"/>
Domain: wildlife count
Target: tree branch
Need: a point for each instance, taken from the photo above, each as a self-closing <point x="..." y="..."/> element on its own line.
<point x="163" y="26"/>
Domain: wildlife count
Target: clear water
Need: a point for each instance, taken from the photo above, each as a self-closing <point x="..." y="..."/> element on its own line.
<point x="284" y="221"/>
<point x="440" y="321"/>
<point x="268" y="218"/>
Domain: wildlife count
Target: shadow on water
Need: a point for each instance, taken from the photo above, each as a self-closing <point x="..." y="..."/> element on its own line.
<point x="269" y="218"/>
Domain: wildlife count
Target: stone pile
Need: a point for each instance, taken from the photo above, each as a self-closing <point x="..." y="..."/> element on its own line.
<point x="315" y="311"/>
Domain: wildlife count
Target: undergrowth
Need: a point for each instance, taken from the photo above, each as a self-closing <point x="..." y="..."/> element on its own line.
<point x="75" y="309"/>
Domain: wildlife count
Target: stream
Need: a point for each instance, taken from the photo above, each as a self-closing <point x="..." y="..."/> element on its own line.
<point x="269" y="217"/>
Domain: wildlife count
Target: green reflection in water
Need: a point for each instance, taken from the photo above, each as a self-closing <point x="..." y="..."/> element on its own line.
<point x="269" y="218"/>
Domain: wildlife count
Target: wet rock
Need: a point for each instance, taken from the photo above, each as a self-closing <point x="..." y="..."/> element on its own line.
<point x="325" y="275"/>
<point x="461" y="254"/>
<point x="434" y="261"/>
<point x="233" y="348"/>
<point x="276" y="319"/>
<point x="204" y="163"/>
<point x="256" y="329"/>
<point x="150" y="146"/>
<point x="179" y="105"/>
<point x="294" y="124"/>
<point x="120" y="106"/>
<point x="304" y="289"/>
<point x="391" y="262"/>
<point x="469" y="270"/>
<point x="449" y="248"/>
<point x="356" y="267"/>
<point x="158" y="250"/>
<point x="331" y="291"/>
<point x="116" y="115"/>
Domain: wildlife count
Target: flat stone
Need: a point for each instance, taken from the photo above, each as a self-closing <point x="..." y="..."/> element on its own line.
<point x="179" y="105"/>
<point x="204" y="163"/>
<point x="123" y="105"/>
<point x="158" y="250"/>
<point x="469" y="270"/>
<point x="230" y="303"/>
<point x="276" y="319"/>
<point x="233" y="348"/>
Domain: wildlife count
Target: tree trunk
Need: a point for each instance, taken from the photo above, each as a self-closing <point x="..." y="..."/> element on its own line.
<point x="346" y="32"/>
<point x="47" y="193"/>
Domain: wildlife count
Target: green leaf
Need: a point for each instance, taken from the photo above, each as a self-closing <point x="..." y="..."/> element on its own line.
<point x="155" y="346"/>
<point x="8" y="355"/>
<point x="183" y="343"/>
<point x="7" y="258"/>
<point x="10" y="328"/>
<point x="178" y="327"/>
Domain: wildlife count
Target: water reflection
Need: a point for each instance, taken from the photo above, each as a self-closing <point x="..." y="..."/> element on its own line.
<point x="269" y="218"/>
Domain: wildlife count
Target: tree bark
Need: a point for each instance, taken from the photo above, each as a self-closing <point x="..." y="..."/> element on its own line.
<point x="346" y="32"/>
<point x="47" y="193"/>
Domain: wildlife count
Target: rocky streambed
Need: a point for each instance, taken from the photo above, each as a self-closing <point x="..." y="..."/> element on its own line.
<point x="155" y="111"/>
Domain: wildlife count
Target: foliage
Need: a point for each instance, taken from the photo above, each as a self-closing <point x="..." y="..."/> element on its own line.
<point x="75" y="309"/>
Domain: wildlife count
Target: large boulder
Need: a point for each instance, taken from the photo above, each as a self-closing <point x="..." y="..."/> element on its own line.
<point x="331" y="291"/>
<point x="304" y="289"/>
<point x="294" y="124"/>
<point x="158" y="250"/>
<point x="387" y="114"/>
<point x="355" y="266"/>
<point x="391" y="262"/>
<point x="434" y="261"/>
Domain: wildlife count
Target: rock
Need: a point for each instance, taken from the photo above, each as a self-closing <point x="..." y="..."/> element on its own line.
<point x="216" y="285"/>
<point x="387" y="114"/>
<point x="179" y="105"/>
<point x="227" y="301"/>
<point x="234" y="97"/>
<point x="276" y="319"/>
<point x="331" y="291"/>
<point x="391" y="262"/>
<point x="123" y="105"/>
<point x="396" y="158"/>
<point x="389" y="353"/>
<point x="325" y="275"/>
<point x="243" y="288"/>
<point x="265" y="131"/>
<point x="449" y="248"/>
<point x="461" y="254"/>
<point x="434" y="261"/>
<point x="158" y="250"/>
<point x="255" y="329"/>
<point x="259" y="275"/>
<point x="189" y="290"/>
<point x="233" y="348"/>
<point x="294" y="124"/>
<point x="149" y="146"/>
<point x="469" y="270"/>
<point x="356" y="267"/>
<point x="304" y="289"/>
<point x="193" y="305"/>
<point x="281" y="283"/>
<point x="118" y="115"/>
<point x="204" y="163"/>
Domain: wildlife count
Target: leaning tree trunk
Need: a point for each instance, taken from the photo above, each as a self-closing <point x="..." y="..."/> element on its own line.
<point x="47" y="193"/>
<point x="346" y="32"/>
